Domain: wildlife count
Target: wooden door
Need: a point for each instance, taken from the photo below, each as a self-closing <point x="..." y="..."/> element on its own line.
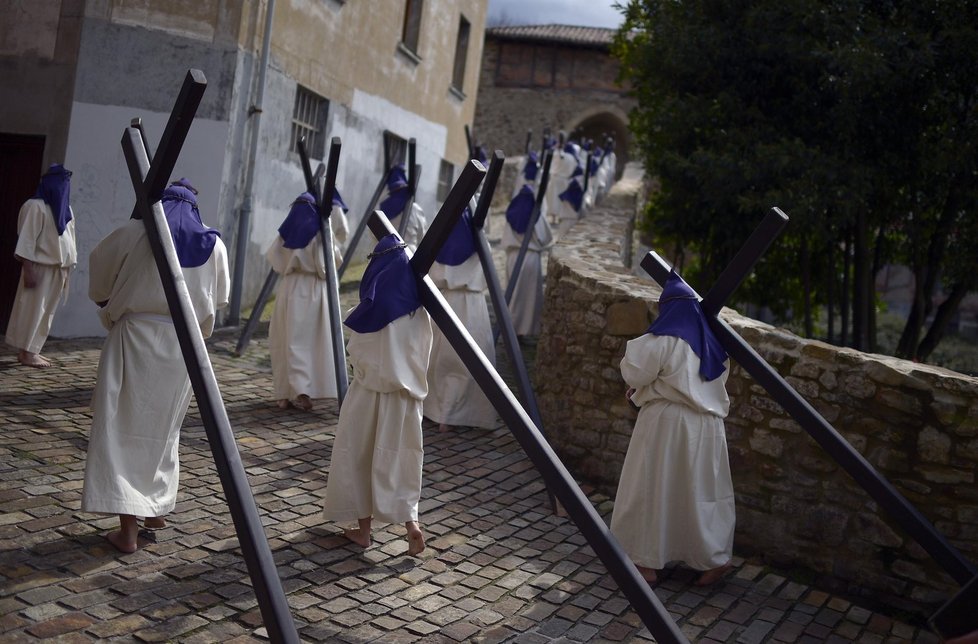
<point x="21" y="157"/>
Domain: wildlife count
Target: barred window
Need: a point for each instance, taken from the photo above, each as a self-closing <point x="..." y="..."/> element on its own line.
<point x="411" y="32"/>
<point x="445" y="176"/>
<point x="309" y="122"/>
<point x="395" y="149"/>
<point x="461" y="53"/>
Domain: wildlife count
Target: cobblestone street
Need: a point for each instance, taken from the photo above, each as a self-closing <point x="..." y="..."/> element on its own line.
<point x="498" y="567"/>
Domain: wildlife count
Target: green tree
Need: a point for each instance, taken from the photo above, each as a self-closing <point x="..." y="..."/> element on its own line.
<point x="856" y="117"/>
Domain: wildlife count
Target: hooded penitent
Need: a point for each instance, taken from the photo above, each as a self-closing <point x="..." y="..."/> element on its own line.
<point x="387" y="289"/>
<point x="55" y="190"/>
<point x="681" y="316"/>
<point x="193" y="240"/>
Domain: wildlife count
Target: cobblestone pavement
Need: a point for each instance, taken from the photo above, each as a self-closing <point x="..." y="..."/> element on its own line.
<point x="498" y="567"/>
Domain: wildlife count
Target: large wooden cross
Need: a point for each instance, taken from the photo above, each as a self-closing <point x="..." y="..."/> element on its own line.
<point x="324" y="204"/>
<point x="878" y="487"/>
<point x="555" y="475"/>
<point x="148" y="181"/>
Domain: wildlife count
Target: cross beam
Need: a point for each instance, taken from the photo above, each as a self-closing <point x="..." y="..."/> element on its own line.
<point x="265" y="293"/>
<point x="148" y="182"/>
<point x="324" y="204"/>
<point x="555" y="475"/>
<point x="504" y="321"/>
<point x="878" y="487"/>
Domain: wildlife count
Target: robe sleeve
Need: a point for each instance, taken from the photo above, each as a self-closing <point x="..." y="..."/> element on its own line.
<point x="104" y="264"/>
<point x="222" y="286"/>
<point x="30" y="224"/>
<point x="642" y="362"/>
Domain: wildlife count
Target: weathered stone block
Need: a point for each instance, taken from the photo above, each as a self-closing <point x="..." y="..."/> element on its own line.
<point x="627" y="318"/>
<point x="933" y="446"/>
<point x="766" y="443"/>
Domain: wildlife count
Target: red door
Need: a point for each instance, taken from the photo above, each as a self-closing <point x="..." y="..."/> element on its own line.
<point x="21" y="157"/>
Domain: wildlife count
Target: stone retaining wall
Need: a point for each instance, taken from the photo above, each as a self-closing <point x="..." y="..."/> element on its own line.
<point x="918" y="425"/>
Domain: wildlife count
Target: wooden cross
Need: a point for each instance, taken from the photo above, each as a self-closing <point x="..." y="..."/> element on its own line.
<point x="555" y="475"/>
<point x="148" y="181"/>
<point x="324" y="203"/>
<point x="882" y="491"/>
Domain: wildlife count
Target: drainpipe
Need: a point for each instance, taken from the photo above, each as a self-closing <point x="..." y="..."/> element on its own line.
<point x="244" y="218"/>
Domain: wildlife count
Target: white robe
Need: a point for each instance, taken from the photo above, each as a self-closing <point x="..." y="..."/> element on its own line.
<point x="416" y="227"/>
<point x="53" y="257"/>
<point x="454" y="398"/>
<point x="142" y="389"/>
<point x="675" y="498"/>
<point x="300" y="343"/>
<point x="375" y="469"/>
<point x="561" y="169"/>
<point x="526" y="305"/>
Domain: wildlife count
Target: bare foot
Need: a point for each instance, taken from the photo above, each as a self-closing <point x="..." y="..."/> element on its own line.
<point x="415" y="538"/>
<point x="358" y="537"/>
<point x="648" y="574"/>
<point x="714" y="575"/>
<point x="302" y="402"/>
<point x="121" y="543"/>
<point x="283" y="404"/>
<point x="33" y="360"/>
<point x="443" y="428"/>
<point x="154" y="523"/>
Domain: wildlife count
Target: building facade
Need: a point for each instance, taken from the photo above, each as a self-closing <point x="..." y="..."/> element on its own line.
<point x="78" y="71"/>
<point x="550" y="76"/>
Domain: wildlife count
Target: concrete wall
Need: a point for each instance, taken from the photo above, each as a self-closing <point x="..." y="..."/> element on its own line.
<point x="918" y="425"/>
<point x="38" y="50"/>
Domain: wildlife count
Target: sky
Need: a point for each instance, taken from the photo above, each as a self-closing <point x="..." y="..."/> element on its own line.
<point x="580" y="13"/>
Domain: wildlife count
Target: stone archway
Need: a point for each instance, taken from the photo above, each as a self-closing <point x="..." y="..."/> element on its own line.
<point x="599" y="122"/>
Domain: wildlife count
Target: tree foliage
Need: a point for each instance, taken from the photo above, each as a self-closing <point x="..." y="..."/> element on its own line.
<point x="857" y="117"/>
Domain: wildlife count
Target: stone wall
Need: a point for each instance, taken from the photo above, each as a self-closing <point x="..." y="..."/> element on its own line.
<point x="918" y="425"/>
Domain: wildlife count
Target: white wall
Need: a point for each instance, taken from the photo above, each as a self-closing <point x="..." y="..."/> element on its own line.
<point x="102" y="196"/>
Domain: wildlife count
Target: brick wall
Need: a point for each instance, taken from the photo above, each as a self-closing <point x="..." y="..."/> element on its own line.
<point x="918" y="425"/>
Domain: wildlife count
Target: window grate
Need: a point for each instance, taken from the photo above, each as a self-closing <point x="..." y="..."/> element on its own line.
<point x="309" y="122"/>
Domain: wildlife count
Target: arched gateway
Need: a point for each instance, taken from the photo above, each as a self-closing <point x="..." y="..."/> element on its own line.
<point x="555" y="76"/>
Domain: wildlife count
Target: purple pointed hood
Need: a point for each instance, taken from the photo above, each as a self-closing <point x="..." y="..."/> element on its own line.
<point x="55" y="190"/>
<point x="301" y="225"/>
<point x="460" y="244"/>
<point x="193" y="240"/>
<point x="520" y="208"/>
<point x="388" y="289"/>
<point x="681" y="316"/>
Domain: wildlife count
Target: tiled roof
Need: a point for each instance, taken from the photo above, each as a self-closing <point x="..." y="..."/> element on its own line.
<point x="565" y="34"/>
